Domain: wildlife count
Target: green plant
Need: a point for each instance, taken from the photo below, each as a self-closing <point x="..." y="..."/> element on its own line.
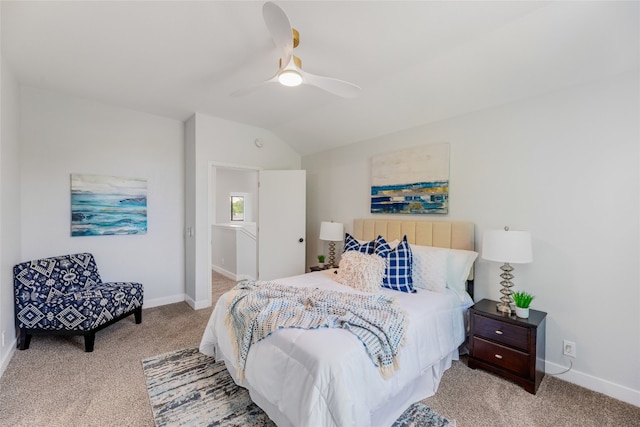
<point x="522" y="299"/>
<point x="321" y="259"/>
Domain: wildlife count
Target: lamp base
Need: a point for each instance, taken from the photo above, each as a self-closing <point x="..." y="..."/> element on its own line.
<point x="332" y="255"/>
<point x="505" y="305"/>
<point x="503" y="308"/>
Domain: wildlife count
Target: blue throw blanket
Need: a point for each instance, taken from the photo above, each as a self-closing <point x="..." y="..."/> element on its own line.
<point x="257" y="309"/>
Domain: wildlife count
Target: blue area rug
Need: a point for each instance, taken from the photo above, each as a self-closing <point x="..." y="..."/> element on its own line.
<point x="187" y="388"/>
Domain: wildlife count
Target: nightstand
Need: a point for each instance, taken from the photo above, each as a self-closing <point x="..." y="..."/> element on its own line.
<point x="509" y="346"/>
<point x="318" y="268"/>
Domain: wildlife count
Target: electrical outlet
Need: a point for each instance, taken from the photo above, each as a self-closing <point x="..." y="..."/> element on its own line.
<point x="569" y="348"/>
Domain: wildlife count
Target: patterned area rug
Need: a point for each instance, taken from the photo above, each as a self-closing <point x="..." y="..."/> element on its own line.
<point x="187" y="388"/>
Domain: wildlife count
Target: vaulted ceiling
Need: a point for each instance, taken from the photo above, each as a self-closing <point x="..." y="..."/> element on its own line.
<point x="416" y="61"/>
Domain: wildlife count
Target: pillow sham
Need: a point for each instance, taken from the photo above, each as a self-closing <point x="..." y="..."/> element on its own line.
<point x="430" y="267"/>
<point x="436" y="268"/>
<point x="398" y="274"/>
<point x="459" y="265"/>
<point x="352" y="244"/>
<point x="361" y="271"/>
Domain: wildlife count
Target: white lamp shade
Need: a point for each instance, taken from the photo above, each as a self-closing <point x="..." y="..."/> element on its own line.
<point x="510" y="246"/>
<point x="331" y="231"/>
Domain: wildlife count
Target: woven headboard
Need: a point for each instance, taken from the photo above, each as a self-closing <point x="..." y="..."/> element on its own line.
<point x="456" y="235"/>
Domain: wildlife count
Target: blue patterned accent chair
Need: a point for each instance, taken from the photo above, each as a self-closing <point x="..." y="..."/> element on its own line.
<point x="65" y="295"/>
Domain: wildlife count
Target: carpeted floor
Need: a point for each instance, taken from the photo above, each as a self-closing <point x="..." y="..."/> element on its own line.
<point x="55" y="383"/>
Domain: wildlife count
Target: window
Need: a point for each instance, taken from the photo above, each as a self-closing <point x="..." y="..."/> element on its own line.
<point x="237" y="208"/>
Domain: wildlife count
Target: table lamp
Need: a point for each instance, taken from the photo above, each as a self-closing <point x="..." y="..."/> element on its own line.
<point x="332" y="232"/>
<point x="507" y="246"/>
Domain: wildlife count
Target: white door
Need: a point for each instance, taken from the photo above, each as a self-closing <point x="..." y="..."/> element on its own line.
<point x="281" y="223"/>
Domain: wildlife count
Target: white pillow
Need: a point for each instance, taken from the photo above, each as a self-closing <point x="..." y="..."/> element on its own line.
<point x="458" y="268"/>
<point x="430" y="267"/>
<point x="361" y="271"/>
<point x="436" y="268"/>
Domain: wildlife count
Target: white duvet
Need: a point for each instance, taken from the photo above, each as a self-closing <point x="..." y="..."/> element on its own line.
<point x="324" y="377"/>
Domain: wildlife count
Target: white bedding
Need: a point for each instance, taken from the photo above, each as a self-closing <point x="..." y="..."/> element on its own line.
<point x="324" y="377"/>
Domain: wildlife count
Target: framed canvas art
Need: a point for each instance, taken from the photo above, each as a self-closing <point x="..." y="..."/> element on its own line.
<point x="411" y="181"/>
<point x="108" y="205"/>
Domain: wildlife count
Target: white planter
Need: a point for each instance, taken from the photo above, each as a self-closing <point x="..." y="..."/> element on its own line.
<point x="522" y="312"/>
<point x="321" y="264"/>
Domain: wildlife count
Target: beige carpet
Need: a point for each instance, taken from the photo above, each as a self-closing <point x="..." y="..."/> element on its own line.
<point x="55" y="383"/>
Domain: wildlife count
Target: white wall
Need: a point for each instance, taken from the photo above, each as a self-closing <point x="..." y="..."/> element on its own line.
<point x="224" y="251"/>
<point x="9" y="208"/>
<point x="564" y="166"/>
<point x="211" y="139"/>
<point x="236" y="182"/>
<point x="63" y="135"/>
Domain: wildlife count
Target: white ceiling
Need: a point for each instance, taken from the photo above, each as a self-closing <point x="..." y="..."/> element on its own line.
<point x="416" y="61"/>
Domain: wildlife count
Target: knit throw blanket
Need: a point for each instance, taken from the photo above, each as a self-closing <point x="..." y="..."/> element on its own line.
<point x="257" y="309"/>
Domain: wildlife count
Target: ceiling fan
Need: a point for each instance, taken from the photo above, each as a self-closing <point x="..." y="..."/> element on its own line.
<point x="290" y="71"/>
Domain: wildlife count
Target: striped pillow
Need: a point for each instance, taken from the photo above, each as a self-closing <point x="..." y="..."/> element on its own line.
<point x="399" y="265"/>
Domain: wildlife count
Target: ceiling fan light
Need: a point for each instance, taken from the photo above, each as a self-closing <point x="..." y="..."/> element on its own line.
<point x="290" y="78"/>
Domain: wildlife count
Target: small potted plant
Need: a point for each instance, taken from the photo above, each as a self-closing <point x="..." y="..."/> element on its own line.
<point x="522" y="301"/>
<point x="321" y="261"/>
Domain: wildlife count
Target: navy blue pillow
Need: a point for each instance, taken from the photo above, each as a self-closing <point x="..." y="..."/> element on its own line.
<point x="399" y="265"/>
<point x="351" y="244"/>
<point x="382" y="248"/>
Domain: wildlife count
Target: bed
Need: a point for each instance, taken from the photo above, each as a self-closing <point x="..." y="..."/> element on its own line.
<point x="324" y="377"/>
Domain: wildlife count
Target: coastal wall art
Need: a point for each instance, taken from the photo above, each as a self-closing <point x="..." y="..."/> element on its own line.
<point x="107" y="205"/>
<point x="411" y="181"/>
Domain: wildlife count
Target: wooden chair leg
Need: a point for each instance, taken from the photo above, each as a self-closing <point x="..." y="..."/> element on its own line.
<point x="89" y="340"/>
<point x="24" y="339"/>
<point x="138" y="315"/>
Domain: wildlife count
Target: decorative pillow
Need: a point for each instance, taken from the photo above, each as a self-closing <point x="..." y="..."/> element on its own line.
<point x="430" y="267"/>
<point x="352" y="244"/>
<point x="399" y="265"/>
<point x="381" y="247"/>
<point x="361" y="271"/>
<point x="394" y="243"/>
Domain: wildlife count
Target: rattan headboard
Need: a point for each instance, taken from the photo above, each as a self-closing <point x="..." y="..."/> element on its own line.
<point x="456" y="235"/>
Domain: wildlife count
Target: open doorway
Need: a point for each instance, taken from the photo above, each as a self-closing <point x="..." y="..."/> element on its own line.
<point x="233" y="216"/>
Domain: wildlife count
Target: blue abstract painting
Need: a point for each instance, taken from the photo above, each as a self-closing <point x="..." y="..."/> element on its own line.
<point x="411" y="181"/>
<point x="107" y="205"/>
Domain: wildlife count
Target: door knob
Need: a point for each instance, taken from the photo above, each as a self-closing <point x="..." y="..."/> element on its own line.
<point x="301" y="240"/>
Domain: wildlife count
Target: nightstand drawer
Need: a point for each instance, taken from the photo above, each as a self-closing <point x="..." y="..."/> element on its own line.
<point x="499" y="355"/>
<point x="501" y="332"/>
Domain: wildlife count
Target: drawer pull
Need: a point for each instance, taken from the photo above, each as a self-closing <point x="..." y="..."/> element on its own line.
<point x="498" y="356"/>
<point x="499" y="332"/>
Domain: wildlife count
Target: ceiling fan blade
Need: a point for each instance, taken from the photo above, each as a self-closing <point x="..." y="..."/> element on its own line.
<point x="280" y="28"/>
<point x="331" y="85"/>
<point x="247" y="90"/>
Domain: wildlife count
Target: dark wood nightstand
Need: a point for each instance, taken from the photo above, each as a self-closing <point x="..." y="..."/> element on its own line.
<point x="509" y="346"/>
<point x="318" y="268"/>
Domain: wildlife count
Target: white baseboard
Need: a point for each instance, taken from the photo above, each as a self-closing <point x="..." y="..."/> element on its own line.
<point x="225" y="273"/>
<point x="197" y="305"/>
<point x="230" y="275"/>
<point x="582" y="379"/>
<point x="7" y="356"/>
<point x="164" y="301"/>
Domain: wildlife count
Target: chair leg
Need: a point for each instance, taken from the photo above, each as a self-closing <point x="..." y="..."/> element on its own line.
<point x="24" y="339"/>
<point x="89" y="340"/>
<point x="138" y="315"/>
